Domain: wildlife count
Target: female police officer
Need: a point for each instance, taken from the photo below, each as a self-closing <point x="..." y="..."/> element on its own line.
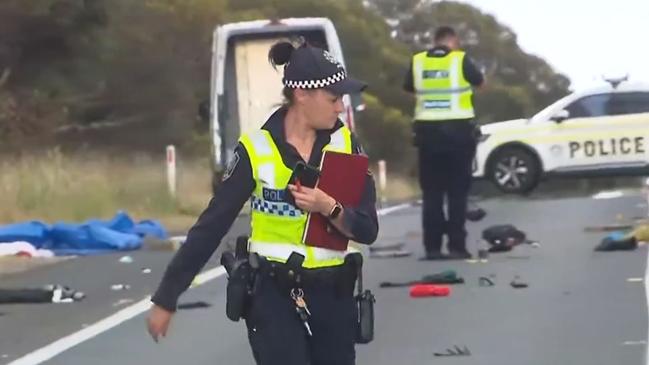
<point x="307" y="124"/>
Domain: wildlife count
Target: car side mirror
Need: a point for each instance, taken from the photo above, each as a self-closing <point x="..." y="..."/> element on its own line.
<point x="561" y="115"/>
<point x="204" y="111"/>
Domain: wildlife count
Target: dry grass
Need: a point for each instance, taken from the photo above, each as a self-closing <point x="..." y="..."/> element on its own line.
<point x="53" y="186"/>
<point x="56" y="187"/>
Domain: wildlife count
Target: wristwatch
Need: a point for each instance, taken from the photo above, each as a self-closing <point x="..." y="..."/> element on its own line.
<point x="335" y="211"/>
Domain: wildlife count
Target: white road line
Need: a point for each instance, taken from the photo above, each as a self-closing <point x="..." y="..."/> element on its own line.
<point x="45" y="353"/>
<point x="608" y="194"/>
<point x="55" y="348"/>
<point x="388" y="210"/>
<point x="203" y="278"/>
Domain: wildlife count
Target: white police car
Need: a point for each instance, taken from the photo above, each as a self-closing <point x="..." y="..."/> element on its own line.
<point x="604" y="130"/>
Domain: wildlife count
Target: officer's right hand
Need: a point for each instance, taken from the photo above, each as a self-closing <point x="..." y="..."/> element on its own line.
<point x="158" y="322"/>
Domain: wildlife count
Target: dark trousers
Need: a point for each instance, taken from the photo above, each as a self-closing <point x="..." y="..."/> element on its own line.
<point x="277" y="336"/>
<point x="445" y="158"/>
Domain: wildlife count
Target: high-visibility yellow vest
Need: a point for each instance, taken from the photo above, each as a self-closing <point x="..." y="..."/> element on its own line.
<point x="442" y="91"/>
<point x="277" y="226"/>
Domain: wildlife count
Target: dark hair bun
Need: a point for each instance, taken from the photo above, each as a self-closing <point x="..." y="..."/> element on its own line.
<point x="280" y="53"/>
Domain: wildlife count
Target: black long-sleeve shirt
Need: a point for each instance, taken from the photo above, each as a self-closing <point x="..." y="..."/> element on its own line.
<point x="237" y="187"/>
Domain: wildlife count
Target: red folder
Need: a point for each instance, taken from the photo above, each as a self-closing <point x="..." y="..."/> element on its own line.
<point x="343" y="177"/>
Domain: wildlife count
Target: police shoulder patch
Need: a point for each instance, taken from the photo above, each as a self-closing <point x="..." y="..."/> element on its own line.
<point x="232" y="164"/>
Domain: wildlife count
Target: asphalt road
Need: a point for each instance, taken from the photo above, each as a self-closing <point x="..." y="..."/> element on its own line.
<point x="578" y="309"/>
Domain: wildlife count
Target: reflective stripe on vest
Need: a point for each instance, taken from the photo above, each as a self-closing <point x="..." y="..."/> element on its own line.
<point x="277" y="226"/>
<point x="442" y="91"/>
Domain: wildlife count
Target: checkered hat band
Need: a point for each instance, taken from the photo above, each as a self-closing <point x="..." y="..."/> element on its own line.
<point x="274" y="208"/>
<point x="316" y="84"/>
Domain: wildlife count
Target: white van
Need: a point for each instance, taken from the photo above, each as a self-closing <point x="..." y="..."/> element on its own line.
<point x="245" y="88"/>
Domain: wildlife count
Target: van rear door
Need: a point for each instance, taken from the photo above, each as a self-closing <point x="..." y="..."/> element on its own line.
<point x="259" y="85"/>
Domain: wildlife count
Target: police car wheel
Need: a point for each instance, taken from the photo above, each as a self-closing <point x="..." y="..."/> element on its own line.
<point x="514" y="170"/>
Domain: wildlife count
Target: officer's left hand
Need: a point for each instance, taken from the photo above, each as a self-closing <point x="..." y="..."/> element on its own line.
<point x="312" y="200"/>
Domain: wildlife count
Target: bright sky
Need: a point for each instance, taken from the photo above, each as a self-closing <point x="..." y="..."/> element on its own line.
<point x="581" y="39"/>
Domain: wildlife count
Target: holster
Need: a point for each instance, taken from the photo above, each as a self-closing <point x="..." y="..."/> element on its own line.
<point x="241" y="270"/>
<point x="364" y="302"/>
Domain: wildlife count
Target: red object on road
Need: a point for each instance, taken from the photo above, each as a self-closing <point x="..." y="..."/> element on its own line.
<point x="429" y="290"/>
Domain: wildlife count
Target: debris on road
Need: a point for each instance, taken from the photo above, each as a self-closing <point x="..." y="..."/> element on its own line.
<point x="625" y="239"/>
<point x="641" y="232"/>
<point x="429" y="290"/>
<point x="608" y="227"/>
<point x="617" y="241"/>
<point x="485" y="282"/>
<point x="475" y="214"/>
<point x="608" y="194"/>
<point x="47" y="294"/>
<point x="126" y="259"/>
<point x="146" y="270"/>
<point x="118" y="287"/>
<point x="518" y="284"/>
<point x="177" y="241"/>
<point x="634" y="343"/>
<point x="455" y="351"/>
<point x="448" y="277"/>
<point x="635" y="280"/>
<point x="504" y="237"/>
<point x="390" y="254"/>
<point x="194" y="305"/>
<point x="169" y="244"/>
<point x="91" y="237"/>
<point x="389" y="251"/>
<point x="519" y="257"/>
<point x="390" y="247"/>
<point x="23" y="249"/>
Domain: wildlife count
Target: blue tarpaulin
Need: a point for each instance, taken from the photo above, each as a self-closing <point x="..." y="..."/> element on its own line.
<point x="92" y="237"/>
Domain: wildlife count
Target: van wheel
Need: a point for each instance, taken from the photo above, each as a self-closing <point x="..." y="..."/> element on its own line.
<point x="514" y="170"/>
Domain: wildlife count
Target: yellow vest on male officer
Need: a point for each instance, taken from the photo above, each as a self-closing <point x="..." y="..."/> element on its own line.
<point x="442" y="91"/>
<point x="278" y="226"/>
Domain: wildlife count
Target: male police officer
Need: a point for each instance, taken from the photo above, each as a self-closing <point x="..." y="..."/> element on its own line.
<point x="442" y="79"/>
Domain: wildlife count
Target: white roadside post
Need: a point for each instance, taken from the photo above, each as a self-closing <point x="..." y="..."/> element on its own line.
<point x="171" y="170"/>
<point x="382" y="180"/>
